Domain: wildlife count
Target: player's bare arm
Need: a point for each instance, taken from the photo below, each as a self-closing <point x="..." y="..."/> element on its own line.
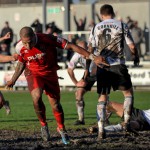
<point x="18" y="71"/>
<point x="88" y="61"/>
<point x="4" y="58"/>
<point x="97" y="59"/>
<point x="72" y="76"/>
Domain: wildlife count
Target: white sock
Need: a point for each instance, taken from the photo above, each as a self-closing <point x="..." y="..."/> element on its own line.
<point x="127" y="108"/>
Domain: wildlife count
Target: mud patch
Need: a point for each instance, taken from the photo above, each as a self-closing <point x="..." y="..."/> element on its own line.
<point x="79" y="139"/>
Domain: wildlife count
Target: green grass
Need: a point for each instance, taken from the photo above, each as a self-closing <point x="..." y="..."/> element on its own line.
<point x="23" y="117"/>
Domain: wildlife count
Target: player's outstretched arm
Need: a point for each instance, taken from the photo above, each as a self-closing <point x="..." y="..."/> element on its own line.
<point x="18" y="71"/>
<point x="97" y="59"/>
<point x="5" y="58"/>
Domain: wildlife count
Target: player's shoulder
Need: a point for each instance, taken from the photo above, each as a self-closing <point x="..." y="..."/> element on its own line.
<point x="98" y="24"/>
<point x="76" y="56"/>
<point x="19" y="46"/>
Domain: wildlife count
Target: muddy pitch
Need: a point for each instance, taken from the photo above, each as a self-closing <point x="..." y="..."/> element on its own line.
<point x="80" y="139"/>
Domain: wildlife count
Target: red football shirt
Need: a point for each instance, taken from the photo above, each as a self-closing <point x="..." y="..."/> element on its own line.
<point x="42" y="58"/>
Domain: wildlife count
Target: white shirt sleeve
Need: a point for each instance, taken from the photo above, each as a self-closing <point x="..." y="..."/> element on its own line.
<point x="74" y="61"/>
<point x="18" y="47"/>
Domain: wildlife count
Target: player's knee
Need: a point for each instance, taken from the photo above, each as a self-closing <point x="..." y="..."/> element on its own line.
<point x="36" y="96"/>
<point x="56" y="107"/>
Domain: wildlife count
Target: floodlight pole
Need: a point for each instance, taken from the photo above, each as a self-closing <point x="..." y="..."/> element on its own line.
<point x="93" y="12"/>
<point x="149" y="32"/>
<point x="44" y="2"/>
<point x="67" y="15"/>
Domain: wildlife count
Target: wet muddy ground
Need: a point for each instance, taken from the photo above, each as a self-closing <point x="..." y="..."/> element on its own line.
<point x="79" y="139"/>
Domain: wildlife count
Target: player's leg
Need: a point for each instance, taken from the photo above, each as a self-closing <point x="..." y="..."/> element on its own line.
<point x="101" y="115"/>
<point x="35" y="85"/>
<point x="80" y="105"/>
<point x="39" y="106"/>
<point x="114" y="107"/>
<point x="59" y="116"/>
<point x="52" y="90"/>
<point x="4" y="103"/>
<point x="40" y="110"/>
<point x="128" y="105"/>
<point x="57" y="111"/>
<point x="113" y="128"/>
<point x="103" y="89"/>
<point x="123" y="82"/>
<point x="126" y="88"/>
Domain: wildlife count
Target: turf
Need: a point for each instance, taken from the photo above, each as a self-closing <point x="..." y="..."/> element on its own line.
<point x="23" y="117"/>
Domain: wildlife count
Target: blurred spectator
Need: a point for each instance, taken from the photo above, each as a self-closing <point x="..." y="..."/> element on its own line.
<point x="80" y="24"/>
<point x="59" y="51"/>
<point x="129" y="22"/>
<point x="52" y="29"/>
<point x="7" y="43"/>
<point x="49" y="30"/>
<point x="137" y="35"/>
<point x="91" y="25"/>
<point x="37" y="26"/>
<point x="146" y="39"/>
<point x="52" y="26"/>
<point x="3" y="49"/>
<point x="71" y="38"/>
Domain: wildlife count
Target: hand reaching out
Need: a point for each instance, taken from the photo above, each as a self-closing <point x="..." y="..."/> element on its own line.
<point x="15" y="57"/>
<point x="99" y="60"/>
<point x="9" y="85"/>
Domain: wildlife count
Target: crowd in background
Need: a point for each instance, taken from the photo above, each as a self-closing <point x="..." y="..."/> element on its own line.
<point x="139" y="35"/>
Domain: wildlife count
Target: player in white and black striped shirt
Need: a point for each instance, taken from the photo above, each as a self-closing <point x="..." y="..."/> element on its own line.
<point x="107" y="39"/>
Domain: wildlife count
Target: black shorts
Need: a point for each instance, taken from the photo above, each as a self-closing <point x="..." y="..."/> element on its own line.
<point x="116" y="76"/>
<point x="137" y="115"/>
<point x="89" y="85"/>
<point x="90" y="82"/>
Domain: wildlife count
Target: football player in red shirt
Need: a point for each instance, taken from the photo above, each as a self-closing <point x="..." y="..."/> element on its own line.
<point x="38" y="57"/>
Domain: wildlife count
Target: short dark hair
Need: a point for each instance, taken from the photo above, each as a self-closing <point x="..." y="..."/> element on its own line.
<point x="26" y="32"/>
<point x="107" y="10"/>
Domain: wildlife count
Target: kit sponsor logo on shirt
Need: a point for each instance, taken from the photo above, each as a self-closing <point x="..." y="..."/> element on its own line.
<point x="36" y="56"/>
